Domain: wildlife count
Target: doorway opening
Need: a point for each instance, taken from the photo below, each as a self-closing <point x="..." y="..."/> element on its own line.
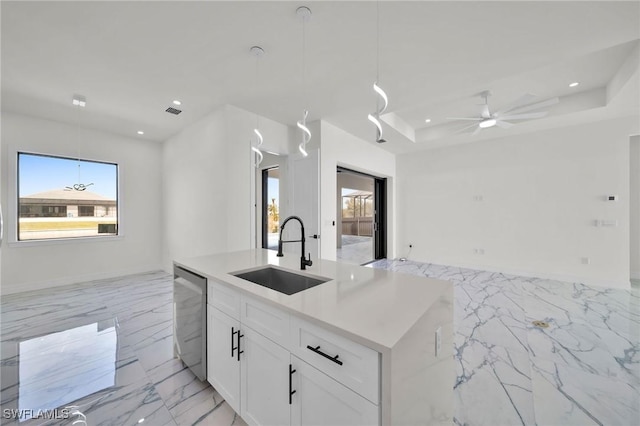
<point x="361" y="230"/>
<point x="270" y="207"/>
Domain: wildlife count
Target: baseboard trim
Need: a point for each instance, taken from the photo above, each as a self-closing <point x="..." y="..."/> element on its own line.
<point x="595" y="282"/>
<point x="6" y="289"/>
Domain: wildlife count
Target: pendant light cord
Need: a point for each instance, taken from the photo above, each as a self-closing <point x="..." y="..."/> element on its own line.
<point x="78" y="141"/>
<point x="377" y="52"/>
<point x="257" y="87"/>
<point x="304" y="64"/>
<point x="378" y="41"/>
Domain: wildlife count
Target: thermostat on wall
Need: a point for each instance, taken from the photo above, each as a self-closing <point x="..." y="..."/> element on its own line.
<point x="611" y="198"/>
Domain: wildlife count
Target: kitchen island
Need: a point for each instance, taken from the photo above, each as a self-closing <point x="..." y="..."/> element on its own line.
<point x="367" y="346"/>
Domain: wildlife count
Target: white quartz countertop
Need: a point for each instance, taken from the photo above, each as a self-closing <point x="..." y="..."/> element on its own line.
<point x="373" y="306"/>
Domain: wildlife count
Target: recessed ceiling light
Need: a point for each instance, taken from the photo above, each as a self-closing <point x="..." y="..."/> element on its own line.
<point x="428" y="120"/>
<point x="140" y="132"/>
<point x="574" y="84"/>
<point x="177" y="102"/>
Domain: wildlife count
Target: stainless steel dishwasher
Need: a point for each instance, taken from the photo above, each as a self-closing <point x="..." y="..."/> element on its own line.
<point x="190" y="320"/>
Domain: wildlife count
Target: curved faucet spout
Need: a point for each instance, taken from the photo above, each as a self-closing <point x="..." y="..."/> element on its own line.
<point x="303" y="261"/>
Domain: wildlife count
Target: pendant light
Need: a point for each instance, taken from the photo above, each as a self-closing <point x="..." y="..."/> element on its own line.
<point x="375" y="118"/>
<point x="258" y="52"/>
<point x="78" y="101"/>
<point x="304" y="13"/>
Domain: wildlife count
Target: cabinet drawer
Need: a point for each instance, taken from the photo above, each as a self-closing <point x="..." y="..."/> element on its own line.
<point x="355" y="366"/>
<point x="271" y="322"/>
<point x="224" y="298"/>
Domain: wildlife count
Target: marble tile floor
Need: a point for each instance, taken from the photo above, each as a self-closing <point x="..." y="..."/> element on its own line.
<point x="355" y="250"/>
<point x="105" y="349"/>
<point x="583" y="369"/>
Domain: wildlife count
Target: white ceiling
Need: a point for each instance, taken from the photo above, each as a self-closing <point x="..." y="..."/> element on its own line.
<point x="131" y="59"/>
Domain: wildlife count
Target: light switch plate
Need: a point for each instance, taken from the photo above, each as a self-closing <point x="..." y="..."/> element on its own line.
<point x="438" y="341"/>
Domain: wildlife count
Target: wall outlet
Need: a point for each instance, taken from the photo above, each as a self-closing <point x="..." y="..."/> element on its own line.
<point x="585" y="260"/>
<point x="438" y="341"/>
<point x="606" y="223"/>
<point x="478" y="251"/>
<point x="478" y="198"/>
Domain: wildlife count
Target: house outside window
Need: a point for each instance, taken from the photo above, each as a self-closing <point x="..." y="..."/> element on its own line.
<point x="60" y="198"/>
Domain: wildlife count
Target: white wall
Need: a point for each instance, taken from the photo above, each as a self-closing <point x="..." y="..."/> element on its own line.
<point x="541" y="195"/>
<point x="194" y="190"/>
<point x="339" y="148"/>
<point x="35" y="265"/>
<point x="634" y="207"/>
<point x="208" y="184"/>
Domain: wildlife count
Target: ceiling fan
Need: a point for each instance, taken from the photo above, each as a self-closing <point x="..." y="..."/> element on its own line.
<point x="516" y="110"/>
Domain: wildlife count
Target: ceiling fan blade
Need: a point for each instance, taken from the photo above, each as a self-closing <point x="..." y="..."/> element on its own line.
<point x="528" y="116"/>
<point x="464" y="118"/>
<point x="463" y="129"/>
<point x="476" y="131"/>
<point x="521" y="101"/>
<point x="503" y="124"/>
<point x="537" y="105"/>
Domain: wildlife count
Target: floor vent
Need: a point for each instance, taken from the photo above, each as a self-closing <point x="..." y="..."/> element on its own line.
<point x="173" y="110"/>
<point x="540" y="324"/>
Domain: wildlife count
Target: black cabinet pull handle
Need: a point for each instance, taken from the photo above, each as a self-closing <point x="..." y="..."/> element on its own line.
<point x="291" y="392"/>
<point x="319" y="352"/>
<point x="239" y="351"/>
<point x="233" y="333"/>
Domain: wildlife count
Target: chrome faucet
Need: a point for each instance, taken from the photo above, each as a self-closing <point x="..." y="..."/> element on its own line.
<point x="303" y="261"/>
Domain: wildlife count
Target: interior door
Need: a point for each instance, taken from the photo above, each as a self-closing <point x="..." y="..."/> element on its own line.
<point x="305" y="203"/>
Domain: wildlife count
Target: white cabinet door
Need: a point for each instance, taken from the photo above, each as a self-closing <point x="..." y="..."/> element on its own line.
<point x="223" y="366"/>
<point x="320" y="400"/>
<point x="265" y="381"/>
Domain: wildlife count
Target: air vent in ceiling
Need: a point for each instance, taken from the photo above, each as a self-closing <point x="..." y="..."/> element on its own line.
<point x="172" y="110"/>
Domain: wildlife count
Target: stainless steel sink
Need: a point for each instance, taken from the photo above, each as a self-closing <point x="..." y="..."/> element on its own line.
<point x="279" y="280"/>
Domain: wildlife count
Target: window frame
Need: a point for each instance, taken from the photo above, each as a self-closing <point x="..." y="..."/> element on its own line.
<point x="14" y="204"/>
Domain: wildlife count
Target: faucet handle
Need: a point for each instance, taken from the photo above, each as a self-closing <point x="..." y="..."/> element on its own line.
<point x="308" y="261"/>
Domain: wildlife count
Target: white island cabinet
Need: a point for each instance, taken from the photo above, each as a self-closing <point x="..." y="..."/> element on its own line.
<point x="250" y="363"/>
<point x="367" y="347"/>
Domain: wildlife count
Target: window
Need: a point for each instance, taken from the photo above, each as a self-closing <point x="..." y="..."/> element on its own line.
<point x="86" y="211"/>
<point x="66" y="198"/>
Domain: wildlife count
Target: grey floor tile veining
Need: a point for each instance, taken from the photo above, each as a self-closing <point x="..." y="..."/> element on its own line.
<point x="583" y="369"/>
<point x="103" y="350"/>
<point x="100" y="353"/>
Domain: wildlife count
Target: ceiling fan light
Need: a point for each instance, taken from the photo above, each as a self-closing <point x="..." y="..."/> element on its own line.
<point x="79" y="100"/>
<point x="485" y="124"/>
